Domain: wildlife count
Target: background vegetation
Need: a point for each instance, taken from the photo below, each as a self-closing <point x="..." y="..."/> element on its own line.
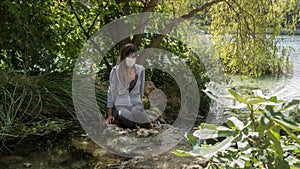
<point x="40" y="41"/>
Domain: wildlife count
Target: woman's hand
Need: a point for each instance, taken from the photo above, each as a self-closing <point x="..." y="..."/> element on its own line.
<point x="110" y="119"/>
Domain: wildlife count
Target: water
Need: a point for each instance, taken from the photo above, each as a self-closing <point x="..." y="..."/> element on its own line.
<point x="286" y="87"/>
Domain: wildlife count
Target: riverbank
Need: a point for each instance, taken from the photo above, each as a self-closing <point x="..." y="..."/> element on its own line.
<point x="72" y="149"/>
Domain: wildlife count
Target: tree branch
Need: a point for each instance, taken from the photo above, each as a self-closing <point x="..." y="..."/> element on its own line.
<point x="94" y="22"/>
<point x="104" y="58"/>
<point x="78" y="20"/>
<point x="126" y="10"/>
<point x="126" y="7"/>
<point x="176" y="21"/>
<point x="87" y="36"/>
<point x="141" y="25"/>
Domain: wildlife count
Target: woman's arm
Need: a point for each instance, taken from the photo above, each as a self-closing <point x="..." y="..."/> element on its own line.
<point x="110" y="97"/>
<point x="111" y="88"/>
<point x="142" y="83"/>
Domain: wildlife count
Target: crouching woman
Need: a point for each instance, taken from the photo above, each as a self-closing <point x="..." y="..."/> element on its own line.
<point x="126" y="90"/>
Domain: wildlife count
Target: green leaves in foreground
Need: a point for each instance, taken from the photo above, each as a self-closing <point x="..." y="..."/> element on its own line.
<point x="265" y="135"/>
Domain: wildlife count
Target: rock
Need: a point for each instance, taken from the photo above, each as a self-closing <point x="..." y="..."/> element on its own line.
<point x="153" y="132"/>
<point x="124" y="132"/>
<point x="197" y="163"/>
<point x="201" y="161"/>
<point x="58" y="158"/>
<point x="158" y="100"/>
<point x="3" y="165"/>
<point x="142" y="133"/>
<point x="153" y="113"/>
<point x="88" y="146"/>
<point x="82" y="164"/>
<point x="27" y="165"/>
<point x="194" y="167"/>
<point x="113" y="166"/>
<point x="12" y="159"/>
<point x="162" y="120"/>
<point x="128" y="130"/>
<point x="119" y="129"/>
<point x="148" y="87"/>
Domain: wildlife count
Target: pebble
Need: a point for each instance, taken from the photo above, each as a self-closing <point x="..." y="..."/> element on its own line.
<point x="112" y="166"/>
<point x="194" y="167"/>
<point x="27" y="165"/>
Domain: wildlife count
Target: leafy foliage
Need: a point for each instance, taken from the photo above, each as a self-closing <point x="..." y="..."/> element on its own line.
<point x="40" y="41"/>
<point x="245" y="33"/>
<point x="260" y="136"/>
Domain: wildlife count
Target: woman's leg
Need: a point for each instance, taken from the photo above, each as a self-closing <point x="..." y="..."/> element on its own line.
<point x="123" y="114"/>
<point x="141" y="116"/>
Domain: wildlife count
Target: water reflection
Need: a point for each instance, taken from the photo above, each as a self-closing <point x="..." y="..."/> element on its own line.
<point x="287" y="86"/>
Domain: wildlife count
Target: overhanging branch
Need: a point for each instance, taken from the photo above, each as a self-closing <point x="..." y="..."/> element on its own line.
<point x="176" y="21"/>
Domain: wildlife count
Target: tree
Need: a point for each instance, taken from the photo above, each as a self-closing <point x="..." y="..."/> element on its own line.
<point x="244" y="32"/>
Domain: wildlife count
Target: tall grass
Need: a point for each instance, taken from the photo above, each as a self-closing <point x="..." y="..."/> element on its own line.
<point x="33" y="105"/>
<point x="37" y="105"/>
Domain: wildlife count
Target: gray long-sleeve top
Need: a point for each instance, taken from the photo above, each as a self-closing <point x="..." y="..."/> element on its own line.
<point x="116" y="94"/>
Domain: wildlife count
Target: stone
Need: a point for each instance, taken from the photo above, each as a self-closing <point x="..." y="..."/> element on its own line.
<point x="88" y="146"/>
<point x="201" y="161"/>
<point x="196" y="166"/>
<point x="3" y="165"/>
<point x="113" y="166"/>
<point x="153" y="132"/>
<point x="158" y="100"/>
<point x="57" y="160"/>
<point x="153" y="113"/>
<point x="142" y="133"/>
<point x="27" y="165"/>
<point x="124" y="132"/>
<point x="79" y="164"/>
<point x="148" y="87"/>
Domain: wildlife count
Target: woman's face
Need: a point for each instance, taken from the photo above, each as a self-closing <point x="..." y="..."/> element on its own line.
<point x="131" y="59"/>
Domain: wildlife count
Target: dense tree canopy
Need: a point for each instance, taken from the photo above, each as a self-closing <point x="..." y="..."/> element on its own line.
<point x="46" y="36"/>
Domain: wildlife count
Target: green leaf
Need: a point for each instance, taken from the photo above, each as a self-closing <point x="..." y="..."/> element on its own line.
<point x="257" y="101"/>
<point x="191" y="139"/>
<point x="234" y="122"/>
<point x="290" y="133"/>
<point x="287" y="124"/>
<point x="207" y="151"/>
<point x="238" y="97"/>
<point x="209" y="134"/>
<point x="290" y="104"/>
<point x="182" y="153"/>
<point x="292" y="160"/>
<point x="295" y="167"/>
<point x="208" y="126"/>
<point x="218" y="147"/>
<point x="282" y="164"/>
<point x="273" y="99"/>
<point x="274" y="135"/>
<point x="263" y="126"/>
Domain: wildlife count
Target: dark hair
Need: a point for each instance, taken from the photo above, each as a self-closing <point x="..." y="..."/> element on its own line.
<point x="126" y="50"/>
<point x="122" y="70"/>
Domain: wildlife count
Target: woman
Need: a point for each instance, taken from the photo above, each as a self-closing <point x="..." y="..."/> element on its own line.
<point x="126" y="90"/>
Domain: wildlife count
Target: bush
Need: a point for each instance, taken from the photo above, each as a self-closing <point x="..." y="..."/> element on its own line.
<point x="33" y="104"/>
<point x="264" y="133"/>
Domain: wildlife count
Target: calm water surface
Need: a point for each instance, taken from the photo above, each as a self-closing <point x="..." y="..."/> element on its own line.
<point x="286" y="86"/>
